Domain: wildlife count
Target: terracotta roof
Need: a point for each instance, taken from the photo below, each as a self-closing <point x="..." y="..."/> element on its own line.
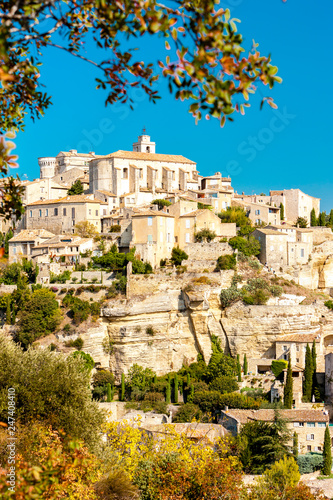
<point x="133" y="155"/>
<point x="107" y="193"/>
<point x="271" y="232"/>
<point x="79" y="198"/>
<point x="57" y="242"/>
<point x="152" y="213"/>
<point x="195" y="212"/>
<point x="243" y="416"/>
<point x="301" y="337"/>
<point x="31" y="235"/>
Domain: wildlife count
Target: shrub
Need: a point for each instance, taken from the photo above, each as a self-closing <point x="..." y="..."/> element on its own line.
<point x="205" y="235"/>
<point x="229" y="296"/>
<point x="60" y="278"/>
<point x="161" y="203"/>
<point x="163" y="262"/>
<point x="187" y="413"/>
<point x="276" y="290"/>
<point x="310" y="462"/>
<point x="177" y="256"/>
<point x="248" y="246"/>
<point x="203" y="280"/>
<point x="278" y="365"/>
<point x="214" y="401"/>
<point x="78" y="343"/>
<point x="150" y="331"/>
<point x="226" y="262"/>
<point x="329" y="304"/>
<point x="280" y="476"/>
<point x="224" y="384"/>
<point x="116" y="228"/>
<point x="102" y="377"/>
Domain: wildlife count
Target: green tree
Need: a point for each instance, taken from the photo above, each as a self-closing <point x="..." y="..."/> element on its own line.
<point x="278" y="365"/>
<point x="327" y="453"/>
<point x="108" y="393"/>
<point x="313" y="218"/>
<point x="226" y="262"/>
<point x="9" y="233"/>
<point x="176" y="389"/>
<point x="88" y="361"/>
<point x="8" y="315"/>
<point x="122" y="394"/>
<point x="330" y="218"/>
<point x="308" y="374"/>
<point x="168" y="393"/>
<point x="288" y="388"/>
<point x="302" y="222"/>
<point x="239" y="369"/>
<point x="220" y="364"/>
<point x="295" y="445"/>
<point x="177" y="256"/>
<point x="205" y="235"/>
<point x="224" y="384"/>
<point x="76" y="188"/>
<point x="161" y="203"/>
<point x="281" y="211"/>
<point x="245" y="368"/>
<point x="39" y="317"/>
<point x="248" y="246"/>
<point x="50" y="387"/>
<point x="239" y="217"/>
<point x="322" y="219"/>
<point x="280" y="476"/>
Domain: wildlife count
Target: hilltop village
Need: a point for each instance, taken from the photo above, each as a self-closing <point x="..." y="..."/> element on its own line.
<point x="181" y="266"/>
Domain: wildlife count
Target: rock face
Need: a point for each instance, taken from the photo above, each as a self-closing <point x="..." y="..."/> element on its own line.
<point x="164" y="329"/>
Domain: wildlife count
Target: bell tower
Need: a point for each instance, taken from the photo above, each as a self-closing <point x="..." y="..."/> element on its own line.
<point x="144" y="145"/>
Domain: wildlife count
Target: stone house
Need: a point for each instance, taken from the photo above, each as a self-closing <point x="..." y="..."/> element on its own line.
<point x="109" y="198"/>
<point x="61" y="215"/>
<point x="215" y="181"/>
<point x="219" y="199"/>
<point x="273" y="246"/>
<point x="125" y="172"/>
<point x="259" y="214"/>
<point x="153" y="235"/>
<point x="63" y="162"/>
<point x="308" y="424"/>
<point x="195" y="221"/>
<point x="20" y="246"/>
<point x="64" y="249"/>
<point x="295" y="347"/>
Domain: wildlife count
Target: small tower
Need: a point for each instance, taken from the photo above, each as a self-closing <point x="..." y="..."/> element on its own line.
<point x="144" y="145"/>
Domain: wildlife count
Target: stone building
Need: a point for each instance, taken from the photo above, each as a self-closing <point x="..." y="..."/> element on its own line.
<point x="215" y="181"/>
<point x="195" y="221"/>
<point x="20" y="246"/>
<point x="153" y="235"/>
<point x="61" y="215"/>
<point x="257" y="213"/>
<point x="125" y="172"/>
<point x="273" y="246"/>
<point x="63" y="162"/>
<point x="61" y="249"/>
<point x="219" y="199"/>
<point x="308" y="424"/>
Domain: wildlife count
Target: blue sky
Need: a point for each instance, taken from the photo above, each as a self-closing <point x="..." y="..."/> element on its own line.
<point x="263" y="150"/>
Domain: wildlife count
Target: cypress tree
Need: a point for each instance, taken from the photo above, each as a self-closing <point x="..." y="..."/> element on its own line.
<point x="122" y="395"/>
<point x="330" y="220"/>
<point x="281" y="211"/>
<point x="108" y="393"/>
<point x="245" y="368"/>
<point x="13" y="315"/>
<point x="288" y="388"/>
<point x="295" y="445"/>
<point x="8" y="315"/>
<point x="322" y="219"/>
<point x="188" y="380"/>
<point x="191" y="395"/>
<point x="239" y="370"/>
<point x="155" y="379"/>
<point x="176" y="389"/>
<point x="315" y="389"/>
<point x="327" y="454"/>
<point x="168" y="394"/>
<point x="313" y="218"/>
<point x="308" y="374"/>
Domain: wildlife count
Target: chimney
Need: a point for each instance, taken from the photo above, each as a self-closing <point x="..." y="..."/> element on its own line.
<point x="92" y="153"/>
<point x="73" y="151"/>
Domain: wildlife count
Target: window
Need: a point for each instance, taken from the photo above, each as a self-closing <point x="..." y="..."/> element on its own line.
<point x="257" y="212"/>
<point x="55" y="211"/>
<point x="73" y="213"/>
<point x="150" y="238"/>
<point x="187" y="237"/>
<point x="104" y="211"/>
<point x="311" y="424"/>
<point x="308" y="448"/>
<point x="30" y="213"/>
<point x="297" y="348"/>
<point x="168" y="238"/>
<point x="302" y="252"/>
<point x="317" y="448"/>
<point x="39" y="213"/>
<point x="47" y="212"/>
<point x="321" y="424"/>
<point x="89" y="211"/>
<point x="310" y="437"/>
<point x="150" y="221"/>
<point x="188" y="224"/>
<point x="96" y="213"/>
<point x="42" y="190"/>
<point x="298" y="424"/>
<point x="14" y="250"/>
<point x="125" y="173"/>
<point x="64" y="211"/>
<point x="297" y="360"/>
<point x="285" y="357"/>
<point x="285" y="348"/>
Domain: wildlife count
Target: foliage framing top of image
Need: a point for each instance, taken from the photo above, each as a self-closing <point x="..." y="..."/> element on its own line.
<point x="207" y="62"/>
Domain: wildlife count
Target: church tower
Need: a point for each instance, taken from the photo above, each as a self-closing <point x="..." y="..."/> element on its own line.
<point x="144" y="145"/>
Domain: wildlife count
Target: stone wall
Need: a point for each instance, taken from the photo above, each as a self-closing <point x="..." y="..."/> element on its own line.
<point x="207" y="251"/>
